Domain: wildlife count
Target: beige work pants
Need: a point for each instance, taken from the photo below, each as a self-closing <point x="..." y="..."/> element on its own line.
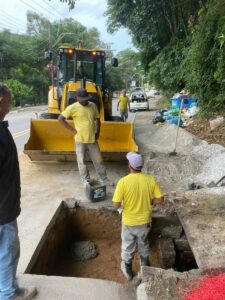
<point x="96" y="158"/>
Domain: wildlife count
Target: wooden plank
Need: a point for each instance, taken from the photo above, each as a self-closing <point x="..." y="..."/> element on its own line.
<point x="203" y="220"/>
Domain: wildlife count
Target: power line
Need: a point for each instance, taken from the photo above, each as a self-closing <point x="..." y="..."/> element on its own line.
<point x="52" y="7"/>
<point x="59" y="25"/>
<point x="11" y="22"/>
<point x="33" y="8"/>
<point x="50" y="12"/>
<point x="8" y="26"/>
<point x="6" y="15"/>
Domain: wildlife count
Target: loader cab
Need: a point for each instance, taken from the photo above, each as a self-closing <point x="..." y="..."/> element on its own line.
<point x="77" y="64"/>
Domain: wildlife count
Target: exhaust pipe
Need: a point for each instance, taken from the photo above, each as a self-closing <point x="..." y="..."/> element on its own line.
<point x="83" y="83"/>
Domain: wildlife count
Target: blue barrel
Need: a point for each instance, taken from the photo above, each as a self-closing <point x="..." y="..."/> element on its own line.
<point x="187" y="102"/>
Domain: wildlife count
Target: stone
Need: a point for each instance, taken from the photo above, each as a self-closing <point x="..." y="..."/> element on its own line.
<point x="182" y="244"/>
<point x="167" y="253"/>
<point x="161" y="222"/>
<point x="173" y="232"/>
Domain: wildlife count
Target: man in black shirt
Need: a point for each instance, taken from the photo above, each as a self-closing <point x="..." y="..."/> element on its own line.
<point x="9" y="208"/>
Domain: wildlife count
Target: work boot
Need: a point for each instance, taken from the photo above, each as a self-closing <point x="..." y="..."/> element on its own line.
<point x="126" y="269"/>
<point x="144" y="261"/>
<point x="26" y="293"/>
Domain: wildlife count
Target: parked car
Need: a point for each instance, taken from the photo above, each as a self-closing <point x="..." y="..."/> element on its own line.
<point x="139" y="101"/>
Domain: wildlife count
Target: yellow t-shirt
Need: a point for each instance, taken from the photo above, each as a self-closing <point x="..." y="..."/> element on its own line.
<point x="136" y="191"/>
<point x="84" y="121"/>
<point x="123" y="101"/>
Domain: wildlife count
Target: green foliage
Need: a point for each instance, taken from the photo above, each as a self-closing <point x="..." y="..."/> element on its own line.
<point x="204" y="65"/>
<point x="153" y="24"/>
<point x="182" y="44"/>
<point x="120" y="77"/>
<point x="114" y="80"/>
<point x="21" y="92"/>
<point x="22" y="60"/>
<point x="71" y="3"/>
<point x="165" y="71"/>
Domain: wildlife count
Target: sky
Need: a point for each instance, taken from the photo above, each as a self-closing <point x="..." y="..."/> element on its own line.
<point x="90" y="13"/>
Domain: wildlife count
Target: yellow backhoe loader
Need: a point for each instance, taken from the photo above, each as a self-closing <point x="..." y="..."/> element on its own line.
<point x="78" y="67"/>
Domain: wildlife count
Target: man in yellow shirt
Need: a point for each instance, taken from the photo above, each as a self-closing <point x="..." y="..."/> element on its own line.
<point x="136" y="193"/>
<point x="86" y="131"/>
<point x="123" y="105"/>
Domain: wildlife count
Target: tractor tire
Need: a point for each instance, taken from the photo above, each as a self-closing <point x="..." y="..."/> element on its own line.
<point x="116" y="119"/>
<point x="49" y="116"/>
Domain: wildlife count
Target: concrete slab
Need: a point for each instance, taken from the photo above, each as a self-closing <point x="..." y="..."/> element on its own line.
<point x="159" y="284"/>
<point x="203" y="220"/>
<point x="67" y="288"/>
<point x="44" y="186"/>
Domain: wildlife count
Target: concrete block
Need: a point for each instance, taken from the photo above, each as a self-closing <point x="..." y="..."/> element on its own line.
<point x="173" y="232"/>
<point x="167" y="253"/>
<point x="158" y="287"/>
<point x="162" y="284"/>
<point x="148" y="272"/>
<point x="142" y="292"/>
<point x="160" y="222"/>
<point x="182" y="244"/>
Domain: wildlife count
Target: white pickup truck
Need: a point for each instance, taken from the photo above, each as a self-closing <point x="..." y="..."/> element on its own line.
<point x="138" y="101"/>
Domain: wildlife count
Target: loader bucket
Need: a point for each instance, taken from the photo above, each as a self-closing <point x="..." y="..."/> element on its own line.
<point x="50" y="141"/>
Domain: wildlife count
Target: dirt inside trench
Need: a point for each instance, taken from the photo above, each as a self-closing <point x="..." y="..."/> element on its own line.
<point x="103" y="228"/>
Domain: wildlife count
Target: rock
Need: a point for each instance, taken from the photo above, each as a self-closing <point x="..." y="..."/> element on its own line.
<point x="182" y="244"/>
<point x="160" y="222"/>
<point x="167" y="254"/>
<point x="173" y="232"/>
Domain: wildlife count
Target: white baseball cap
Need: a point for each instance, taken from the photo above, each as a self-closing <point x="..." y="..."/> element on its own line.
<point x="136" y="161"/>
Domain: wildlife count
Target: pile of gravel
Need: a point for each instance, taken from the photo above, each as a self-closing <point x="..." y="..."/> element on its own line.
<point x="163" y="140"/>
<point x="83" y="250"/>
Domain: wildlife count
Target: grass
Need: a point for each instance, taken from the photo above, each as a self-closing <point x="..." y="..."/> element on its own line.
<point x="163" y="103"/>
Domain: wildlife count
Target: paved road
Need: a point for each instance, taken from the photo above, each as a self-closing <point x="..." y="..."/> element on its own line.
<point x="19" y="122"/>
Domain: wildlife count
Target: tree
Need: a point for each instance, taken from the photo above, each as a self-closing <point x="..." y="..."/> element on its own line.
<point x="120" y="77"/>
<point x="129" y="62"/>
<point x="204" y="63"/>
<point x="152" y="24"/>
<point x="21" y="92"/>
<point x="71" y="3"/>
<point x="22" y="56"/>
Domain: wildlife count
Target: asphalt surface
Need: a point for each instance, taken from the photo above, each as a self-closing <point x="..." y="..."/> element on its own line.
<point x="19" y="124"/>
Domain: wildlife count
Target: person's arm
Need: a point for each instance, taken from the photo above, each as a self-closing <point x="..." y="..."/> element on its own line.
<point x="159" y="200"/>
<point x="128" y="103"/>
<point x="118" y="195"/>
<point x="118" y="102"/>
<point x="98" y="126"/>
<point x="63" y="122"/>
<point x="116" y="205"/>
<point x="158" y="195"/>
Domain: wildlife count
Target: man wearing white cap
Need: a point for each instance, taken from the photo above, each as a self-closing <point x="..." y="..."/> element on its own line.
<point x="136" y="193"/>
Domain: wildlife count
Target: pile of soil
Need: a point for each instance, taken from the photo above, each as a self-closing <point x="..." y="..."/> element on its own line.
<point x="200" y="127"/>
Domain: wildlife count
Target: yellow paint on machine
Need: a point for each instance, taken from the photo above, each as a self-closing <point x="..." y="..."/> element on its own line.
<point x="50" y="137"/>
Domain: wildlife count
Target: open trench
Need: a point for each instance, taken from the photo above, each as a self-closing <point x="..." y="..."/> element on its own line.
<point x="61" y="254"/>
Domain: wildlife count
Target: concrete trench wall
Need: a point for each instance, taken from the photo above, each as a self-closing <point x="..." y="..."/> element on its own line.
<point x="169" y="245"/>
